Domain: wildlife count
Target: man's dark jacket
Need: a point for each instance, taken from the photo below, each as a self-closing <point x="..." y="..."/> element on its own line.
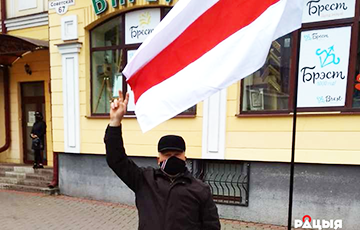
<point x="39" y="129"/>
<point x="163" y="204"/>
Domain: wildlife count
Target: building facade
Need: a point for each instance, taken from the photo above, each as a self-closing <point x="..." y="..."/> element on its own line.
<point x="25" y="78"/>
<point x="239" y="140"/>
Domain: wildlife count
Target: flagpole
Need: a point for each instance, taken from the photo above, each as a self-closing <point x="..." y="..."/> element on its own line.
<point x="292" y="165"/>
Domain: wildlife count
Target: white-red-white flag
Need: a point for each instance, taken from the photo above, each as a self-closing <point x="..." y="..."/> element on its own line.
<point x="201" y="47"/>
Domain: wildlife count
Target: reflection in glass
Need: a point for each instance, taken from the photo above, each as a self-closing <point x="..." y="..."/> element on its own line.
<point x="33" y="89"/>
<point x="106" y="68"/>
<point x="356" y="96"/>
<point x="108" y="59"/>
<point x="107" y="34"/>
<point x="268" y="88"/>
<point x="2" y="108"/>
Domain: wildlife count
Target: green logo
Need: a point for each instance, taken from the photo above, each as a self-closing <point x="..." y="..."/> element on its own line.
<point x="101" y="5"/>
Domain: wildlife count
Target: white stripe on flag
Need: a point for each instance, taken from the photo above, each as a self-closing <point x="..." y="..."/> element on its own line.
<point x="183" y="14"/>
<point x="236" y="57"/>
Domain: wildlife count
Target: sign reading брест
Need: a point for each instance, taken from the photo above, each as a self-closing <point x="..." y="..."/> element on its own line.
<point x="325" y="10"/>
<point x="61" y="6"/>
<point x="323" y="67"/>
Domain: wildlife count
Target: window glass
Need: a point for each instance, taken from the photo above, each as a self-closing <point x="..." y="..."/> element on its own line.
<point x="35" y="89"/>
<point x="131" y="105"/>
<point x="109" y="55"/>
<point x="166" y="11"/>
<point x="108" y="34"/>
<point x="106" y="75"/>
<point x="268" y="88"/>
<point x="356" y="96"/>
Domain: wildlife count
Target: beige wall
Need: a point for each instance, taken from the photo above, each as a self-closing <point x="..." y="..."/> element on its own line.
<point x="17" y="8"/>
<point x="321" y="137"/>
<point x="255" y="138"/>
<point x="39" y="63"/>
<point x="39" y="32"/>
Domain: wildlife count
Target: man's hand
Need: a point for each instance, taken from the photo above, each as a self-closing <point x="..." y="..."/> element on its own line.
<point x="118" y="109"/>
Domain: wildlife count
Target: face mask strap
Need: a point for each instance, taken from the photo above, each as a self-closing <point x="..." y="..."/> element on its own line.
<point x="163" y="164"/>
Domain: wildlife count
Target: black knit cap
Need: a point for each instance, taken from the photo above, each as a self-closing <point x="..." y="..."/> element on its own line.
<point x="38" y="114"/>
<point x="171" y="142"/>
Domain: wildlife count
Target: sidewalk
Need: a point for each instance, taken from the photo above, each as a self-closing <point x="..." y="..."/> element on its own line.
<point x="22" y="210"/>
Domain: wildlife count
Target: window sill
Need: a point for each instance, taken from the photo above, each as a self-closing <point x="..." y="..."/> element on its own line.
<point x="262" y="115"/>
<point x="108" y="116"/>
<point x="329" y="113"/>
<point x="186" y="116"/>
<point x="134" y="116"/>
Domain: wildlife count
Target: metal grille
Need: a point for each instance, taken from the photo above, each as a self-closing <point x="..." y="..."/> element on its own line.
<point x="228" y="180"/>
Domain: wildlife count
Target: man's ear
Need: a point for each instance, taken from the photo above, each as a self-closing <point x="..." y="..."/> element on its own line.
<point x="158" y="160"/>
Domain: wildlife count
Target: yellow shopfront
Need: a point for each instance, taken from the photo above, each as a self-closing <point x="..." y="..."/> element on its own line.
<point x="25" y="78"/>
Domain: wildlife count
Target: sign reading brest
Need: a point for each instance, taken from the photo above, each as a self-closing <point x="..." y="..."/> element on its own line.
<point x="324" y="10"/>
<point x="140" y="24"/>
<point x="61" y="6"/>
<point x="323" y="67"/>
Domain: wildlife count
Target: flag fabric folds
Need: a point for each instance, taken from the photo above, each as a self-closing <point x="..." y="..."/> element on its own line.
<point x="201" y="47"/>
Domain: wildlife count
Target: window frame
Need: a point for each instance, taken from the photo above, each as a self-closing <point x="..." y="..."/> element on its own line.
<point x="104" y="48"/>
<point x="348" y="107"/>
<point x="294" y="42"/>
<point x="191" y="112"/>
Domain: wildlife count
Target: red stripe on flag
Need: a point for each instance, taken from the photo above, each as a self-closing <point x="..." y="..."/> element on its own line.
<point x="218" y="23"/>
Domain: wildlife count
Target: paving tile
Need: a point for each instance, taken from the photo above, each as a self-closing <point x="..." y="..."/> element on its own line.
<point x="30" y="211"/>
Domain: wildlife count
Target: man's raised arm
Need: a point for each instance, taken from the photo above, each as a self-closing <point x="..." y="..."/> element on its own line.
<point x="116" y="157"/>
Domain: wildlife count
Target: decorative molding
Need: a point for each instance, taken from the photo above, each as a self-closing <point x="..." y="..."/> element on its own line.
<point x="69" y="28"/>
<point x="69" y="48"/>
<point x="214" y="130"/>
<point x="70" y="75"/>
<point x="27" y="21"/>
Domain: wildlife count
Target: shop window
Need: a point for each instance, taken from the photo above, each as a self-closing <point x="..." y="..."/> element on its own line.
<point x="108" y="34"/>
<point x="268" y="88"/>
<point x="113" y="43"/>
<point x="105" y="68"/>
<point x="356" y="95"/>
<point x="322" y="57"/>
<point x="228" y="180"/>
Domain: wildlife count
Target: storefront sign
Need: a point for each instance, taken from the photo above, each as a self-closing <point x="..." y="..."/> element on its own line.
<point x="323" y="67"/>
<point x="61" y="6"/>
<point x="324" y="10"/>
<point x="139" y="24"/>
<point x="101" y="6"/>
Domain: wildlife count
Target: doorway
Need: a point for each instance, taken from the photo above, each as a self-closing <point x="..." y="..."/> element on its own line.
<point x="32" y="100"/>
